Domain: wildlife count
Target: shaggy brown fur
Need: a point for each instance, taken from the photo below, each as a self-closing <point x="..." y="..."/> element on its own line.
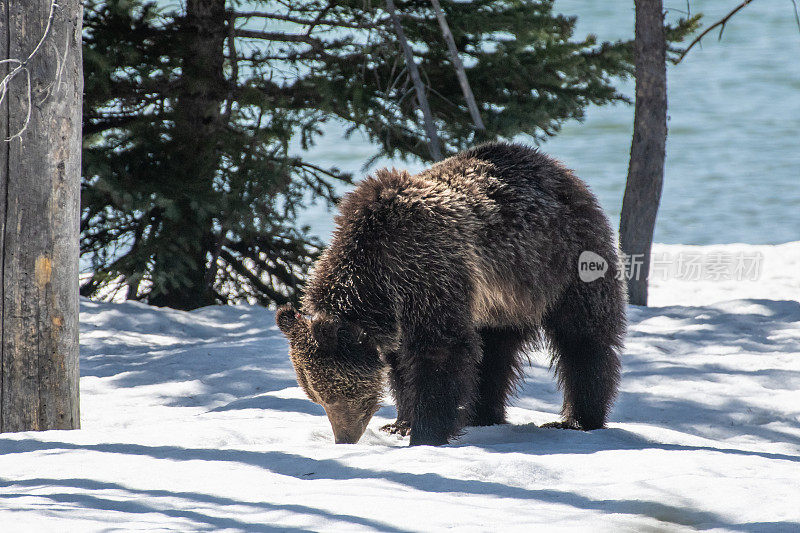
<point x="445" y="276"/>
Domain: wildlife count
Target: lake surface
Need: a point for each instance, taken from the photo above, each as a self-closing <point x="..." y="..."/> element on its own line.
<point x="733" y="150"/>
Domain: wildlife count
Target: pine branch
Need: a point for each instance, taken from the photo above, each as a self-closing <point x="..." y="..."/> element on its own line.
<point x="280" y="37"/>
<point x="92" y="127"/>
<point x="303" y="21"/>
<point x="275" y="269"/>
<point x="257" y="282"/>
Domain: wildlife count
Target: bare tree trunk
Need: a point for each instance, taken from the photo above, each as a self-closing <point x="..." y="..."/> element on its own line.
<point x="434" y="146"/>
<point x="646" y="169"/>
<point x="39" y="215"/>
<point x="459" y="66"/>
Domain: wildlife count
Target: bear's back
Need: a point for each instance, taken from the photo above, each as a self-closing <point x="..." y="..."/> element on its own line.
<point x="500" y="218"/>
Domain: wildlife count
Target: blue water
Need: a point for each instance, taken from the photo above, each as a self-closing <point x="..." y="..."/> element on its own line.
<point x="733" y="150"/>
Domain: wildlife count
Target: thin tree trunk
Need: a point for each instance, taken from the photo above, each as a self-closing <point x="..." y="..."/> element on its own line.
<point x="646" y="169"/>
<point x="434" y="146"/>
<point x="180" y="273"/>
<point x="39" y="216"/>
<point x="459" y="66"/>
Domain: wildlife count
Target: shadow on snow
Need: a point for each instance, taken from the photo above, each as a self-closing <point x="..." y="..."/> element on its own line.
<point x="309" y="469"/>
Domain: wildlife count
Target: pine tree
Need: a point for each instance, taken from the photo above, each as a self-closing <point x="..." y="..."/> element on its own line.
<point x="190" y="194"/>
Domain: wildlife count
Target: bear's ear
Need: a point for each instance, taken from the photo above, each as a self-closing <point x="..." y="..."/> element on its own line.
<point x="287" y="318"/>
<point x="325" y="329"/>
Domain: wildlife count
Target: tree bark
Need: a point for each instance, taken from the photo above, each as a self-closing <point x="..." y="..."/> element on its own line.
<point x="459" y="66"/>
<point x="39" y="217"/>
<point x="646" y="168"/>
<point x="434" y="145"/>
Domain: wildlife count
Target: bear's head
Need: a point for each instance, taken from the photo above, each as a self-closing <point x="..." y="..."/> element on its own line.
<point x="337" y="367"/>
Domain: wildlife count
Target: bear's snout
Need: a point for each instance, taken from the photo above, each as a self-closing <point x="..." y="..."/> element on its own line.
<point x="348" y="421"/>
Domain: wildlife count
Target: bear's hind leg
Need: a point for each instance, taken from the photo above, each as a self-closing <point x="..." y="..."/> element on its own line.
<point x="501" y="368"/>
<point x="585" y="329"/>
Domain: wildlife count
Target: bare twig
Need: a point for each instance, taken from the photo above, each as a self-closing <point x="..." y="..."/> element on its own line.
<point x="459" y="66"/>
<point x="434" y="145"/>
<point x="721" y="22"/>
<point x="22" y="66"/>
<point x="61" y="62"/>
<point x="796" y="15"/>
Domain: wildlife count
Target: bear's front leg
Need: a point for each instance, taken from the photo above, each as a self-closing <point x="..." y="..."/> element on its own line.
<point x="443" y="378"/>
<point x="399" y="385"/>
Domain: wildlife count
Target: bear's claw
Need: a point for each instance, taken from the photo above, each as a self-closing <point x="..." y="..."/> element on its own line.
<point x="563" y="424"/>
<point x="400" y="427"/>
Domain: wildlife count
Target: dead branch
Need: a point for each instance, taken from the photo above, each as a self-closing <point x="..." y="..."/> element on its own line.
<point x="430" y="127"/>
<point x="720" y="23"/>
<point x="459" y="66"/>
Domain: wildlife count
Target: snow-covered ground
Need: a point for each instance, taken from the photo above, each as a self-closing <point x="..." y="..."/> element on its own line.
<point x="194" y="422"/>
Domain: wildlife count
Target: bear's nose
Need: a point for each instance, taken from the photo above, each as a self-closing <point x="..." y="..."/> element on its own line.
<point x="348" y="424"/>
<point x="347" y="435"/>
<point x="349" y="439"/>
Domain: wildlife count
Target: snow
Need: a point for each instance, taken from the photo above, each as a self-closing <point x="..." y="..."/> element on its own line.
<point x="194" y="422"/>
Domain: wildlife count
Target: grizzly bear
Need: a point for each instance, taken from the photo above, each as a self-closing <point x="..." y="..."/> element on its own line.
<point x="443" y="279"/>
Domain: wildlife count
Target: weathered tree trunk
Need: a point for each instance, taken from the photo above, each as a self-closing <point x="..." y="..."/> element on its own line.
<point x="434" y="145"/>
<point x="180" y="274"/>
<point x="646" y="169"/>
<point x="461" y="74"/>
<point x="39" y="217"/>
